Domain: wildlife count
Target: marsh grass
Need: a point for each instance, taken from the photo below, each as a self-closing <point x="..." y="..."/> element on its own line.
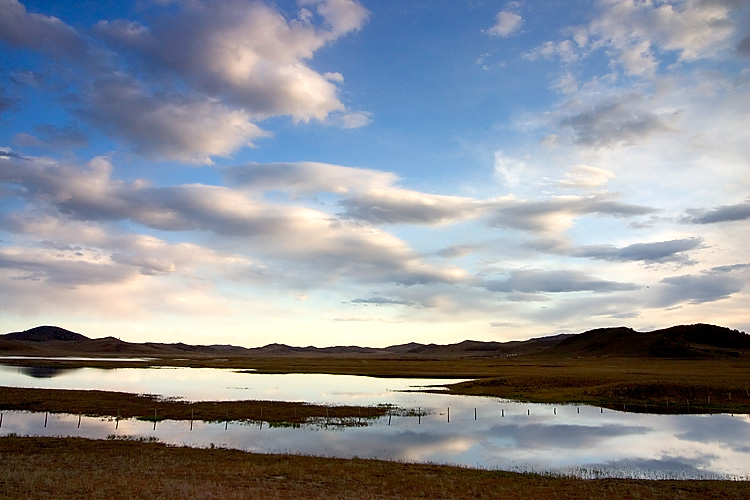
<point x="68" y="468"/>
<point x="152" y="408"/>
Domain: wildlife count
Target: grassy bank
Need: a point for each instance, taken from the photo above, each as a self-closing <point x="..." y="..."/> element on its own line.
<point x="149" y="407"/>
<point x="77" y="468"/>
<point x="654" y="386"/>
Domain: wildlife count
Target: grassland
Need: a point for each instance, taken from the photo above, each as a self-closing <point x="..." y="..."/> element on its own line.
<point x="72" y="468"/>
<point x="150" y="407"/>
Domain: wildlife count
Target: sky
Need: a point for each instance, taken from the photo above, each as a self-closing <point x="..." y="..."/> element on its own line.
<point x="341" y="172"/>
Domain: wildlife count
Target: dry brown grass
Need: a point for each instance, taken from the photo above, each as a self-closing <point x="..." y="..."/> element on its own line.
<point x="149" y="407"/>
<point x="71" y="468"/>
<point x="660" y="386"/>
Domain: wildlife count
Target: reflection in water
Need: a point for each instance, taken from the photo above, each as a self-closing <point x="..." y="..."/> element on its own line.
<point x="45" y="371"/>
<point x="481" y="432"/>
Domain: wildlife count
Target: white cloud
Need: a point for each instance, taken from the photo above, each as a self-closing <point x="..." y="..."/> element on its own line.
<point x="509" y="169"/>
<point x="506" y="24"/>
<point x="694" y="29"/>
<point x="558" y="281"/>
<point x="246" y="52"/>
<point x="565" y="50"/>
<point x="655" y="252"/>
<point x="168" y="125"/>
<point x="307" y="177"/>
<point x="333" y="248"/>
<point x="640" y="35"/>
<point x="567" y="84"/>
<point x="401" y="206"/>
<point x="556" y="214"/>
<point x="48" y="34"/>
<point x="621" y="120"/>
<point x="585" y="177"/>
<point x="193" y="83"/>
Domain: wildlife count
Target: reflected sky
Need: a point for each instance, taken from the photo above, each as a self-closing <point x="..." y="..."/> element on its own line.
<point x="471" y="431"/>
<point x="210" y="384"/>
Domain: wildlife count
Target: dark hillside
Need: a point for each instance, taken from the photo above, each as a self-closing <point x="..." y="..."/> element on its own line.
<point x="46" y="333"/>
<point x="684" y="341"/>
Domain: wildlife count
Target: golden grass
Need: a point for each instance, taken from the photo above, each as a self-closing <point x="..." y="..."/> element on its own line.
<point x="643" y="385"/>
<point x="72" y="468"/>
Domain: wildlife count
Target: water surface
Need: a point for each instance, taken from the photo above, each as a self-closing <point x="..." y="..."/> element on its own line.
<point x="471" y="431"/>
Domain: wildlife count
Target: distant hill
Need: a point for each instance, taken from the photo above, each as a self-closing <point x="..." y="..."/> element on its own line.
<point x="684" y="341"/>
<point x="46" y="333"/>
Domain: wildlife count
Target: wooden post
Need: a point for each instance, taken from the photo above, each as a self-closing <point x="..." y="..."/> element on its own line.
<point x="192" y="414"/>
<point x="449" y="415"/>
<point x="555" y="411"/>
<point x="578" y="408"/>
<point x="475" y="413"/>
<point x="79" y="420"/>
<point x="1" y="420"/>
<point x="389" y="417"/>
<point x="502" y="414"/>
<point x="419" y="416"/>
<point x="528" y="412"/>
<point x="45" y="420"/>
<point x="117" y="420"/>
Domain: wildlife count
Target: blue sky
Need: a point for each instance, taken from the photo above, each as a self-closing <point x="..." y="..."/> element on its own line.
<point x="329" y="172"/>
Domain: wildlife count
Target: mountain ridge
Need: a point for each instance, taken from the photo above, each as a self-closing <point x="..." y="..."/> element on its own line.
<point x="681" y="341"/>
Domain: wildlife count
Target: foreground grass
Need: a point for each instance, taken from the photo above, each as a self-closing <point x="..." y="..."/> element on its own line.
<point x="67" y="468"/>
<point x="150" y="407"/>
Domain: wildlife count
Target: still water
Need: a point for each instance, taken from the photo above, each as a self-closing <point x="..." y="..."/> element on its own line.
<point x="477" y="432"/>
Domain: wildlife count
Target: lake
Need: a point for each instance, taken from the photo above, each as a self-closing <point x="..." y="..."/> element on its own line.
<point x="471" y="431"/>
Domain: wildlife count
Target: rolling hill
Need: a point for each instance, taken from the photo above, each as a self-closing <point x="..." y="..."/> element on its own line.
<point x="684" y="341"/>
